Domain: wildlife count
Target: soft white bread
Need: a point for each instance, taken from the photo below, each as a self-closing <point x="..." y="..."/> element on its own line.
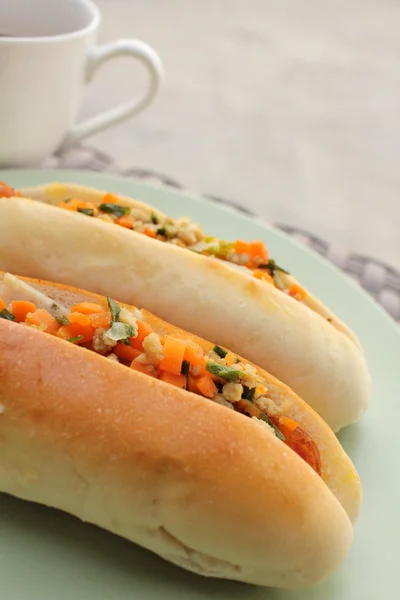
<point x="318" y="359"/>
<point x="200" y="485"/>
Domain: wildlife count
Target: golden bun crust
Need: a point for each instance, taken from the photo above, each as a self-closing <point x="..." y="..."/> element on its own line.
<point x="198" y="484"/>
<point x="318" y="359"/>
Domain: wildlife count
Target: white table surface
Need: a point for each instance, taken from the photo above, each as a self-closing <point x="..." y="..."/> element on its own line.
<point x="290" y="107"/>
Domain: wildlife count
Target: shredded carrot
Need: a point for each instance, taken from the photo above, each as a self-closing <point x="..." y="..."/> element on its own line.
<point x="143" y="331"/>
<point x="176" y="380"/>
<point x="68" y="332"/>
<point x="297" y="292"/>
<point x="20" y="308"/>
<point x="125" y="352"/>
<point x="79" y="318"/>
<point x="100" y="319"/>
<point x="174" y="350"/>
<point x="87" y="308"/>
<point x="137" y="366"/>
<point x="110" y="199"/>
<point x="41" y="317"/>
<point x="125" y="221"/>
<point x="2" y="304"/>
<point x="242" y="247"/>
<point x="258" y="250"/>
<point x="287" y="426"/>
<point x="7" y="191"/>
<point x="206" y="386"/>
<point x="150" y="232"/>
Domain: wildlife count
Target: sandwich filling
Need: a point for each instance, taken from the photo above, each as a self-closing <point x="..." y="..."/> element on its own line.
<point x="182" y="232"/>
<point x="125" y="336"/>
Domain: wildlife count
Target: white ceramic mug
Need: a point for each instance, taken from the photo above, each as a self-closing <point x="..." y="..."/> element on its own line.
<point x="47" y="55"/>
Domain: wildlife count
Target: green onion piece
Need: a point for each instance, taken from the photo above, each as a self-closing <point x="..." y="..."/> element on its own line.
<point x="115" y="209"/>
<point x="67" y="199"/>
<point x="154" y="219"/>
<point x="63" y="320"/>
<point x="127" y="342"/>
<point x="279" y="434"/>
<point x="86" y="211"/>
<point x="272" y="266"/>
<point x="78" y="338"/>
<point x="224" y="371"/>
<point x="220" y="351"/>
<point x="185" y="368"/>
<point x="114" y="308"/>
<point x="248" y="393"/>
<point x="7" y="315"/>
<point x="120" y="331"/>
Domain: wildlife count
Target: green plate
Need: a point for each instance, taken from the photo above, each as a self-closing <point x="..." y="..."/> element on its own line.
<point x="47" y="555"/>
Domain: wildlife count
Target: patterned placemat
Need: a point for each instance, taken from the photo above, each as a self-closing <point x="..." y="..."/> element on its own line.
<point x="378" y="278"/>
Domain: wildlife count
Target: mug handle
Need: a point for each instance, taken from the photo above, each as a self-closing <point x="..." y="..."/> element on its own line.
<point x="97" y="57"/>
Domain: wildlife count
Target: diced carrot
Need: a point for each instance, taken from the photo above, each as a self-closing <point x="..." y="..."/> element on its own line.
<point x="287" y="426"/>
<point x="195" y="355"/>
<point x="206" y="386"/>
<point x="137" y="366"/>
<point x="110" y="199"/>
<point x="174" y="350"/>
<point x="143" y="331"/>
<point x="7" y="191"/>
<point x="84" y="332"/>
<point x="177" y="380"/>
<point x="75" y="203"/>
<point x="20" y="308"/>
<point x="125" y="221"/>
<point x="101" y="319"/>
<point x="79" y="318"/>
<point x="242" y="247"/>
<point x="87" y="308"/>
<point x="263" y="275"/>
<point x="125" y="352"/>
<point x="2" y="304"/>
<point x="297" y="292"/>
<point x="41" y="317"/>
<point x="258" y="250"/>
<point x="150" y="232"/>
<point x="192" y="384"/>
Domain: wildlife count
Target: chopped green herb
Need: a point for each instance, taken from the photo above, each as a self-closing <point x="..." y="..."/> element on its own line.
<point x="220" y="351"/>
<point x="120" y="331"/>
<point x="115" y="209"/>
<point x="167" y="231"/>
<point x="248" y="393"/>
<point x="114" y="308"/>
<point x="253" y="410"/>
<point x="78" y="338"/>
<point x="127" y="342"/>
<point x="7" y="315"/>
<point x="237" y="360"/>
<point x="68" y="199"/>
<point x="185" y="368"/>
<point x="154" y="219"/>
<point x="224" y="371"/>
<point x="264" y="417"/>
<point x="63" y="320"/>
<point x="86" y="211"/>
<point x="272" y="266"/>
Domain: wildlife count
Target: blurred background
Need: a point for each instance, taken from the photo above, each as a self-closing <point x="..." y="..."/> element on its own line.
<point x="290" y="108"/>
